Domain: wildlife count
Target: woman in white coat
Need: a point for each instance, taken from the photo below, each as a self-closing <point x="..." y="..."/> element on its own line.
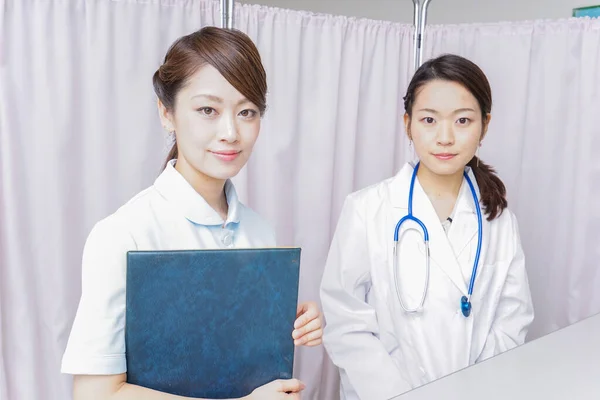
<point x="382" y="350"/>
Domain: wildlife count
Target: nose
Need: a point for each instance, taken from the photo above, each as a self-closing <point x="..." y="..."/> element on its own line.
<point x="228" y="131"/>
<point x="445" y="135"/>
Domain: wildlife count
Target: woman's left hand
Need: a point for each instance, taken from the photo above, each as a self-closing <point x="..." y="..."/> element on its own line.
<point x="308" y="326"/>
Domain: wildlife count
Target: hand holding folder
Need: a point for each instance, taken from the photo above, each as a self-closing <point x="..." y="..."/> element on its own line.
<point x="308" y="326"/>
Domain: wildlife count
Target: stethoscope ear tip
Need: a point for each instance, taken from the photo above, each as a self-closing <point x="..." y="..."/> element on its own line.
<point x="465" y="306"/>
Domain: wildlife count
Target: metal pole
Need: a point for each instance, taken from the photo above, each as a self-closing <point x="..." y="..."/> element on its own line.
<point x="419" y="21"/>
<point x="422" y="27"/>
<point x="417" y="37"/>
<point x="227" y="14"/>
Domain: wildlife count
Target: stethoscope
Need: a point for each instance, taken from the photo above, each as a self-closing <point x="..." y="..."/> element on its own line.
<point x="465" y="301"/>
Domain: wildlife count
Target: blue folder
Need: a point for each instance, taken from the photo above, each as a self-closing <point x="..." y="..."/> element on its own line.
<point x="210" y="323"/>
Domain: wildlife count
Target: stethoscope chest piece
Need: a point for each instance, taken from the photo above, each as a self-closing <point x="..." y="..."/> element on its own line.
<point x="465" y="306"/>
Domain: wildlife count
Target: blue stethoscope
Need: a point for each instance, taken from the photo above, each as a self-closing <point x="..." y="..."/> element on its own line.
<point x="465" y="302"/>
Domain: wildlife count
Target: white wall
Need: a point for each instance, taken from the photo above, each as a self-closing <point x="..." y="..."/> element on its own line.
<point x="440" y="11"/>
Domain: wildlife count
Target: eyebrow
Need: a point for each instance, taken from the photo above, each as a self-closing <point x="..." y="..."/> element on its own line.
<point x="455" y="111"/>
<point x="217" y="99"/>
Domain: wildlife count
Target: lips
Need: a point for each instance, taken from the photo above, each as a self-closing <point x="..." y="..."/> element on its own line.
<point x="226" y="155"/>
<point x="444" y="156"/>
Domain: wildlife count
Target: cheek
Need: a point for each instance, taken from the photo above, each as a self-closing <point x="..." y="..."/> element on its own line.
<point x="198" y="131"/>
<point x="469" y="139"/>
<point x="249" y="133"/>
<point x="423" y="136"/>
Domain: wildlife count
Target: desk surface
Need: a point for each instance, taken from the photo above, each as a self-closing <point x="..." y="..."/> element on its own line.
<point x="563" y="365"/>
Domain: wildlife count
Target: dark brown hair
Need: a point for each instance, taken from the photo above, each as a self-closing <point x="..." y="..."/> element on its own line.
<point x="229" y="51"/>
<point x="457" y="69"/>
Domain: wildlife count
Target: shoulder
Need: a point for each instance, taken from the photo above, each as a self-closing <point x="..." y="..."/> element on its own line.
<point x="371" y="195"/>
<point x="507" y="220"/>
<point x="116" y="229"/>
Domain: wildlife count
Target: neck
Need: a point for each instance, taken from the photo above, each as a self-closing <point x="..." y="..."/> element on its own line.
<point x="212" y="190"/>
<point x="439" y="186"/>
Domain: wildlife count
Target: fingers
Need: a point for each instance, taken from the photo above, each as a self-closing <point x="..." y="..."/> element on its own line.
<point x="309" y="332"/>
<point x="313" y="343"/>
<point x="311" y="339"/>
<point x="310" y="311"/>
<point x="290" y="385"/>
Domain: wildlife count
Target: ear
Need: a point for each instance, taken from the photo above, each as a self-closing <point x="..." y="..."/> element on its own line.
<point x="166" y="117"/>
<point x="407" y="125"/>
<point x="486" y="123"/>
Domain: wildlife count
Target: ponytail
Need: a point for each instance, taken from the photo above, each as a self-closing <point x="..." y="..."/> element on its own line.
<point x="492" y="191"/>
<point x="173" y="153"/>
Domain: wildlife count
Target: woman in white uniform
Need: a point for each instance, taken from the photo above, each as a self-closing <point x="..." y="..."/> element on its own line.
<point x="211" y="95"/>
<point x="398" y="318"/>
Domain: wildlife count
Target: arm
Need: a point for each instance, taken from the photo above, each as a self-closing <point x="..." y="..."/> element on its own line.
<point x="114" y="387"/>
<point x="104" y="387"/>
<point x="351" y="324"/>
<point x="515" y="308"/>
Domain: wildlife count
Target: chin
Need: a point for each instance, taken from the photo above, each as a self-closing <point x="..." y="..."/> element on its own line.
<point x="219" y="172"/>
<point x="223" y="175"/>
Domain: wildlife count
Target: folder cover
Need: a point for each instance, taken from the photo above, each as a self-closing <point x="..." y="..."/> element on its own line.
<point x="212" y="324"/>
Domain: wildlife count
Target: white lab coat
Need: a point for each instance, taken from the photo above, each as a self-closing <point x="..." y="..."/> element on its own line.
<point x="380" y="350"/>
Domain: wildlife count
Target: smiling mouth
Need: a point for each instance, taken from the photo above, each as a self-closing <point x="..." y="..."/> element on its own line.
<point x="226" y="155"/>
<point x="444" y="156"/>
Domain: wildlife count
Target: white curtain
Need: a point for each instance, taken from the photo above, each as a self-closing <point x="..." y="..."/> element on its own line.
<point x="79" y="135"/>
<point x="544" y="139"/>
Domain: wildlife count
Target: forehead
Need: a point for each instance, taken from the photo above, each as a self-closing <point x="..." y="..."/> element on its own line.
<point x="208" y="80"/>
<point x="444" y="95"/>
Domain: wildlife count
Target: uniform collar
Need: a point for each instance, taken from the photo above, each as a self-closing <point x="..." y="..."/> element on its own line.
<point x="400" y="187"/>
<point x="177" y="190"/>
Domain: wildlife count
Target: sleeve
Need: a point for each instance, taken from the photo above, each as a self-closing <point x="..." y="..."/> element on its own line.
<point x="351" y="324"/>
<point x="515" y="313"/>
<point x="96" y="345"/>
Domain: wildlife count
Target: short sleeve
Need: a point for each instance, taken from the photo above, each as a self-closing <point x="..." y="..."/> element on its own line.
<point x="96" y="345"/>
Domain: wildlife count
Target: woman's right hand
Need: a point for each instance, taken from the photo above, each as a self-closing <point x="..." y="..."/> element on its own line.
<point x="284" y="389"/>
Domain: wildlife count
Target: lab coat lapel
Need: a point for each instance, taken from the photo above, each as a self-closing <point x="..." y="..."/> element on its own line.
<point x="464" y="230"/>
<point x="441" y="252"/>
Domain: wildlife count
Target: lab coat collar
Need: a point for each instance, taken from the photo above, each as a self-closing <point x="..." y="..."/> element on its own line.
<point x="176" y="189"/>
<point x="399" y="191"/>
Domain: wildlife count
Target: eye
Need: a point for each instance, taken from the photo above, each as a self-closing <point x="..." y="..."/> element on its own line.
<point x="463" y="121"/>
<point x="428" y="120"/>
<point x="248" y="113"/>
<point x="208" y="111"/>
